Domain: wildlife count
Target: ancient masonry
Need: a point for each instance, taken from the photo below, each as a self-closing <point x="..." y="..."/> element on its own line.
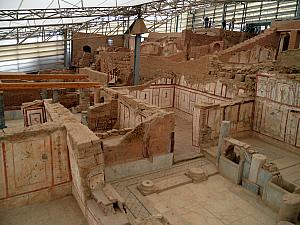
<point x="215" y="116"/>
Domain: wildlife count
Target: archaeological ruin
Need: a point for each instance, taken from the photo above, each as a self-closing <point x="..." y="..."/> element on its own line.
<point x="150" y="112"/>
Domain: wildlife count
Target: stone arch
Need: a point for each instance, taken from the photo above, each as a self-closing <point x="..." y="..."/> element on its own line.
<point x="87" y="48"/>
<point x="216" y="47"/>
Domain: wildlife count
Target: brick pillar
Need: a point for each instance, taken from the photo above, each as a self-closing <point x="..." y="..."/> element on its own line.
<point x="84" y="99"/>
<point x="294" y="39"/>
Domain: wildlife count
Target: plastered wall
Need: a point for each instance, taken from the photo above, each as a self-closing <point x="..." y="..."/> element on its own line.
<point x="179" y="94"/>
<point x="34" y="165"/>
<point x="86" y="156"/>
<point x="207" y="119"/>
<point x="150" y="135"/>
<point x="277" y="110"/>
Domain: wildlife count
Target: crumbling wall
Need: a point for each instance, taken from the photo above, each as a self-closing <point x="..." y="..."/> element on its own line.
<point x="207" y="119"/>
<point x="150" y="135"/>
<point x="261" y="48"/>
<point x="34" y="165"/>
<point x="95" y="76"/>
<point x="289" y="59"/>
<point x="86" y="156"/>
<point x="117" y="65"/>
<point x="93" y="41"/>
<point x="103" y="116"/>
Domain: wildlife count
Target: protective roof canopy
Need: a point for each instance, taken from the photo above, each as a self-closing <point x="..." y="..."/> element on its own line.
<point x="48" y="4"/>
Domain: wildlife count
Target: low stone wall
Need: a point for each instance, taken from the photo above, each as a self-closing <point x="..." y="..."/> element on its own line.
<point x="34" y="165"/>
<point x="86" y="156"/>
<point x="95" y="76"/>
<point x="149" y="138"/>
<point x="103" y="116"/>
<point x="207" y="119"/>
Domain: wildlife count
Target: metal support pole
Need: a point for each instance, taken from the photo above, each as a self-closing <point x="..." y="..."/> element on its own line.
<point x="177" y="23"/>
<point x="66" y="61"/>
<point x="137" y="52"/>
<point x="2" y="118"/>
<point x="224" y="11"/>
<point x="298" y="9"/>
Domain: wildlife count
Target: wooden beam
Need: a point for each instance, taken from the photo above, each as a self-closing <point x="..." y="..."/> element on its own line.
<point x="43" y="76"/>
<point x="46" y="85"/>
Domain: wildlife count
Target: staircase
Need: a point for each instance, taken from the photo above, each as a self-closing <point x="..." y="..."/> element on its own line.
<point x="248" y="43"/>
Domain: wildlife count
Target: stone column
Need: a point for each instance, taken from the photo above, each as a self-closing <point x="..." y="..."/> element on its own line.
<point x="2" y="118"/>
<point x="84" y="99"/>
<point x="55" y="95"/>
<point x="256" y="163"/>
<point x="224" y="132"/>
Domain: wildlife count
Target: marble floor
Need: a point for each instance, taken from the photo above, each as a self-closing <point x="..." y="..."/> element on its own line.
<point x="63" y="211"/>
<point x="216" y="201"/>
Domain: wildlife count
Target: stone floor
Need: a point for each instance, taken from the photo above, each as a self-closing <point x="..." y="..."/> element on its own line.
<point x="216" y="201"/>
<point x="14" y="123"/>
<point x="287" y="162"/>
<point x="136" y="203"/>
<point x="63" y="211"/>
<point x="183" y="138"/>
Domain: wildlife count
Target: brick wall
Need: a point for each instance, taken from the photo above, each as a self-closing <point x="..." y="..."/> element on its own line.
<point x="115" y="64"/>
<point x="103" y="116"/>
<point x="92" y="40"/>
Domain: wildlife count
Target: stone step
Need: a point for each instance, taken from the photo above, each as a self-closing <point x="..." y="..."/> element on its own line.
<point x="108" y="199"/>
<point x="96" y="216"/>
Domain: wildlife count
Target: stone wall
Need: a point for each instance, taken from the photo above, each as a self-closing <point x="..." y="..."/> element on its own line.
<point x="150" y="133"/>
<point x="261" y="48"/>
<point x="34" y="165"/>
<point x="289" y="59"/>
<point x="117" y="65"/>
<point x="95" y="76"/>
<point x="277" y="111"/>
<point x="183" y="95"/>
<point x="13" y="100"/>
<point x="92" y="40"/>
<point x="86" y="156"/>
<point x="207" y="119"/>
<point x="103" y="116"/>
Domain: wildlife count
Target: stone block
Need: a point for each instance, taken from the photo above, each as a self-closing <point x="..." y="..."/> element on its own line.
<point x="250" y="186"/>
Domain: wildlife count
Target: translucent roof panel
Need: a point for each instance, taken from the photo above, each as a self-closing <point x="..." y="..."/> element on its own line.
<point x="48" y="4"/>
